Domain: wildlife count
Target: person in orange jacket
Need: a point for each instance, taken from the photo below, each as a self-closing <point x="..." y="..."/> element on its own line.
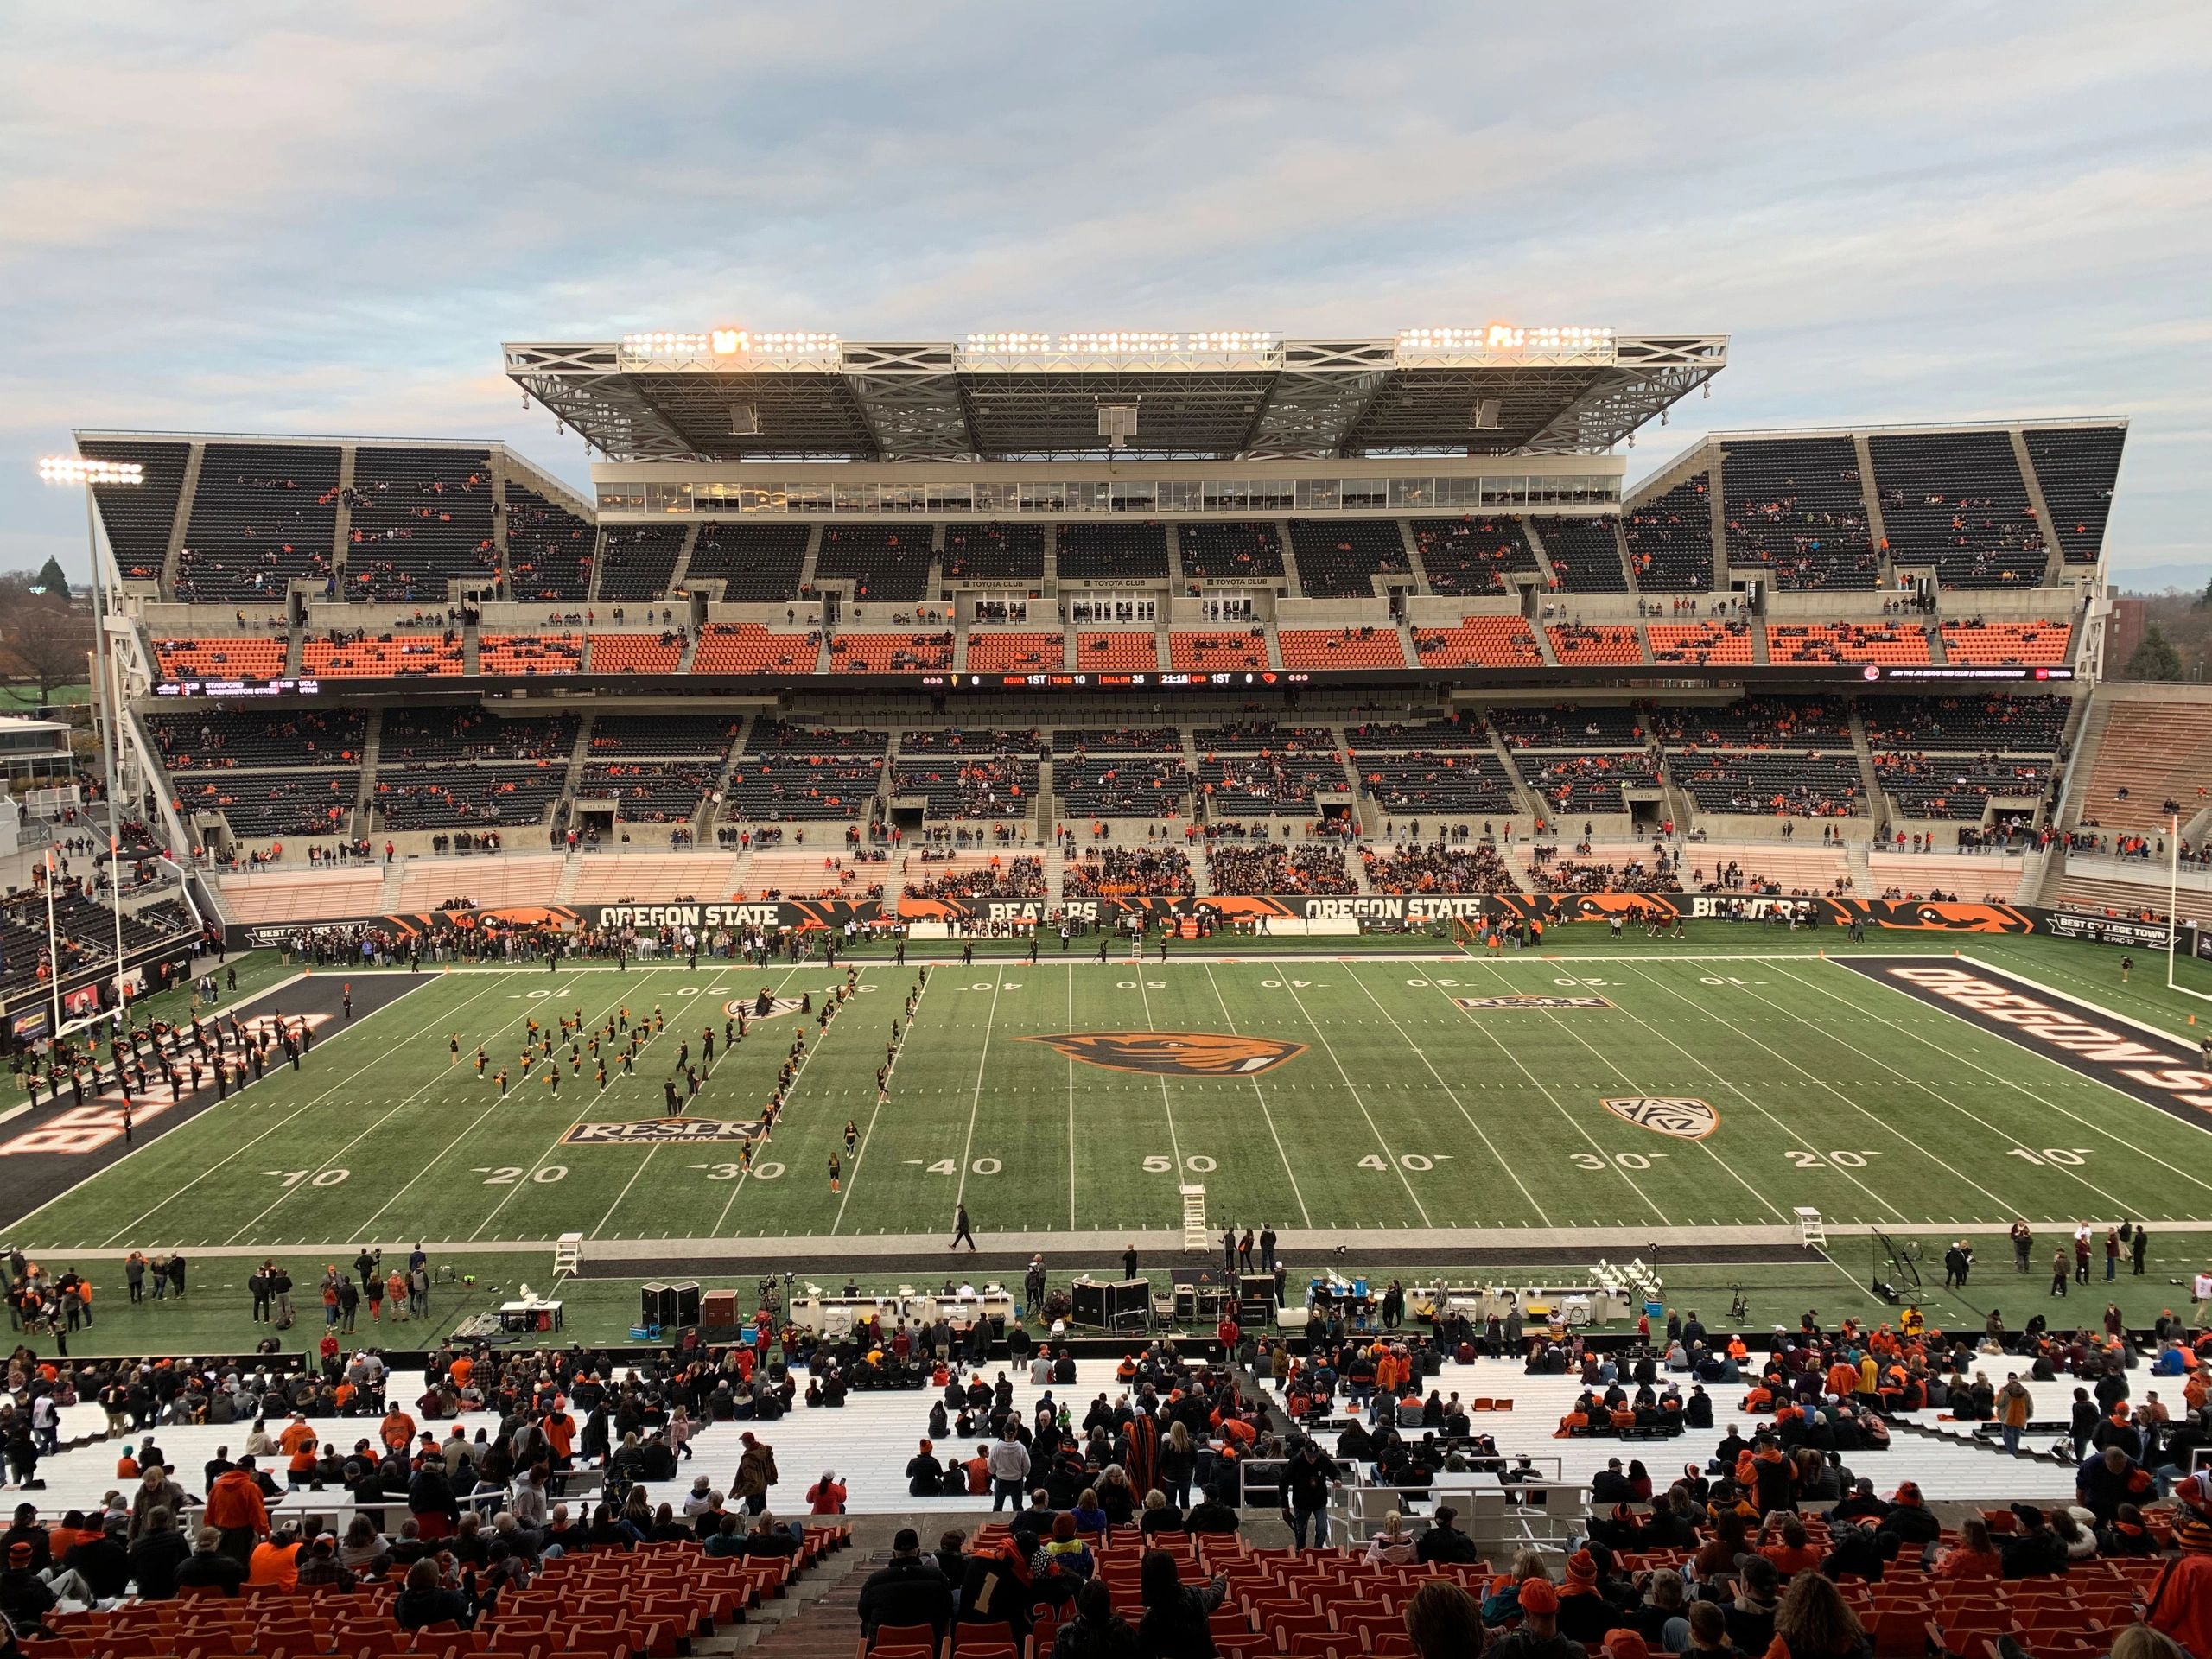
<point x="2181" y="1602"/>
<point x="237" y="1511"/>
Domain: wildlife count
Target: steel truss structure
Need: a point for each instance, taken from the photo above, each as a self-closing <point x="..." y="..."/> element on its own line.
<point x="1037" y="398"/>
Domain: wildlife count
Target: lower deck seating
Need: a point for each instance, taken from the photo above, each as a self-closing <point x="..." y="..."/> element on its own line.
<point x="771" y="788"/>
<point x="1015" y="653"/>
<point x="972" y="786"/>
<point x="665" y="791"/>
<point x="1424" y="783"/>
<point x="1973" y="876"/>
<point x="1255" y="785"/>
<point x="1736" y="866"/>
<point x="301" y="896"/>
<point x="1365" y="646"/>
<point x="1587" y="783"/>
<point x="1957" y="786"/>
<point x="800" y="873"/>
<point x="470" y="797"/>
<point x="1121" y="786"/>
<point x="2130" y="899"/>
<point x="254" y="661"/>
<point x="526" y="879"/>
<point x="221" y="739"/>
<point x="2153" y="752"/>
<point x="1770" y="782"/>
<point x="654" y="878"/>
<point x="261" y="804"/>
<point x="1479" y="642"/>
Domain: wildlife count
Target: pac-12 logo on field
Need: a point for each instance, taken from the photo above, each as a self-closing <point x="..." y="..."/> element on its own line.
<point x="1174" y="1053"/>
<point x="1680" y="1115"/>
<point x="753" y="1007"/>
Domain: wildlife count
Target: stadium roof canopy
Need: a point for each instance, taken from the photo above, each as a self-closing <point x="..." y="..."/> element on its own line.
<point x="729" y="394"/>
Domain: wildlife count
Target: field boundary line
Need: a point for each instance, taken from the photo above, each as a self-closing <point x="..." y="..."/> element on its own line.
<point x="875" y="1111"/>
<point x="1504" y="1163"/>
<point x="1259" y="1094"/>
<point x="1798" y="1019"/>
<point x="2018" y="1087"/>
<point x="1390" y="1152"/>
<point x="1574" y="1123"/>
<point x="288" y="1117"/>
<point x="443" y="1076"/>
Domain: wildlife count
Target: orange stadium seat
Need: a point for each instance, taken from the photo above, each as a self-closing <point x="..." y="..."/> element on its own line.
<point x="749" y="648"/>
<point x="1014" y="653"/>
<point x="396" y="656"/>
<point x="1843" y="642"/>
<point x="1700" y="642"/>
<point x="2030" y="644"/>
<point x="891" y="653"/>
<point x="1479" y="642"/>
<point x="1606" y="643"/>
<point x="1213" y="650"/>
<point x="1116" y="653"/>
<point x="529" y="653"/>
<point x="220" y="659"/>
<point x="635" y="653"/>
<point x="1359" y="647"/>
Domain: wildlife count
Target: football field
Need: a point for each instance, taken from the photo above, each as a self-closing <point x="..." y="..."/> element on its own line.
<point x="1709" y="1087"/>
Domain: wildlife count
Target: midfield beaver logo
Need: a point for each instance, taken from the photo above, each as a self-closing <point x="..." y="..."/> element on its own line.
<point x="1174" y="1053"/>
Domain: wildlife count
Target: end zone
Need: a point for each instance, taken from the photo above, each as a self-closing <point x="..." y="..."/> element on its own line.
<point x="2124" y="1054"/>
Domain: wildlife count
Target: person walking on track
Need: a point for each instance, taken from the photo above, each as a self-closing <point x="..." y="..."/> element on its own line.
<point x="961" y="1229"/>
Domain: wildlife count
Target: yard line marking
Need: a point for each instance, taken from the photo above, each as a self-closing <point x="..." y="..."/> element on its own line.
<point x="131" y="1226"/>
<point x="401" y="1105"/>
<point x="474" y="1124"/>
<point x="867" y="1135"/>
<point x="2003" y="1207"/>
<point x="1456" y="1100"/>
<point x="1071" y="1103"/>
<point x="798" y="1072"/>
<point x="1574" y="1121"/>
<point x="975" y="1103"/>
<point x="1173" y="1144"/>
<point x="1388" y="1151"/>
<point x="1731" y="1084"/>
<point x="1261" y="1096"/>
<point x="2020" y="1088"/>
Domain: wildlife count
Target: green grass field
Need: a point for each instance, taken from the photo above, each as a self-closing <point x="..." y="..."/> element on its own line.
<point x="1395" y="1107"/>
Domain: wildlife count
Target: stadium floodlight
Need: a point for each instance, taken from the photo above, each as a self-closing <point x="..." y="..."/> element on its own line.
<point x="81" y="472"/>
<point x="79" y="469"/>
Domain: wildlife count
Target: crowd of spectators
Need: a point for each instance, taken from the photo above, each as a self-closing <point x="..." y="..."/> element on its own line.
<point x="1316" y="868"/>
<point x="1438" y="867"/>
<point x="1129" y="872"/>
<point x="1021" y="877"/>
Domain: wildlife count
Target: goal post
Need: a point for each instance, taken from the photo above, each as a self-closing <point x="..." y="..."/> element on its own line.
<point x="2173" y="909"/>
<point x="1465" y="934"/>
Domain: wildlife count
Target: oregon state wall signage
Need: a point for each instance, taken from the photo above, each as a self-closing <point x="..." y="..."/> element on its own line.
<point x="1255" y="912"/>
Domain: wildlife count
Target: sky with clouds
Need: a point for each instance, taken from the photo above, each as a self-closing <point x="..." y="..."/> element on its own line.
<point x="269" y="218"/>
